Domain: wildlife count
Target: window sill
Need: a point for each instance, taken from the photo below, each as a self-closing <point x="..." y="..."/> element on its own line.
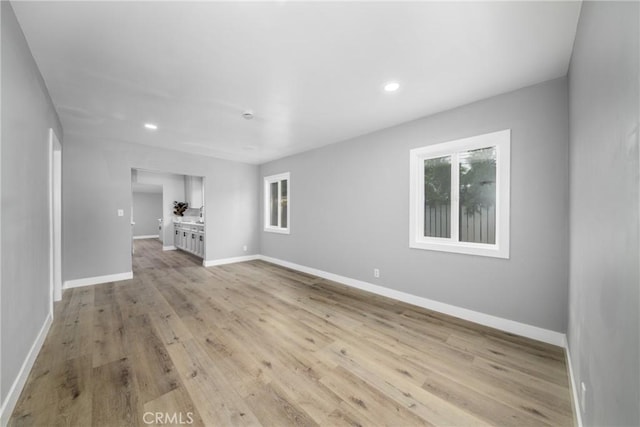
<point x="493" y="251"/>
<point x="277" y="230"/>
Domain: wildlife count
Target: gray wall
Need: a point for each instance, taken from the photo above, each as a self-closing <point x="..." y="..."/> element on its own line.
<point x="97" y="182"/>
<point x="350" y="210"/>
<point x="27" y="115"/>
<point x="147" y="208"/>
<point x="193" y="191"/>
<point x="604" y="299"/>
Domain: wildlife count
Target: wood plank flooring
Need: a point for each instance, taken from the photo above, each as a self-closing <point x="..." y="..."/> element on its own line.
<point x="257" y="344"/>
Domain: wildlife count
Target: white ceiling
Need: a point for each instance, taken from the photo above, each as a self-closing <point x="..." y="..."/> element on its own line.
<point x="312" y="73"/>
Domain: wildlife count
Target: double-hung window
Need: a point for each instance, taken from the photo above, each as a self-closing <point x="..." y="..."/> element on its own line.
<point x="277" y="202"/>
<point x="459" y="198"/>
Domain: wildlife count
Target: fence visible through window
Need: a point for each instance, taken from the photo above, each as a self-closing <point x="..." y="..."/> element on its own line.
<point x="478" y="226"/>
<point x="459" y="196"/>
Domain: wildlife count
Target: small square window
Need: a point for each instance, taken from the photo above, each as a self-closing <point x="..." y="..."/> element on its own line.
<point x="277" y="200"/>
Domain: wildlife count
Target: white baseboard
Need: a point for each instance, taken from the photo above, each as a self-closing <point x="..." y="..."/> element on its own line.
<point x="97" y="280"/>
<point x="18" y="384"/>
<point x="152" y="236"/>
<point x="222" y="261"/>
<point x="511" y="326"/>
<point x="169" y="248"/>
<point x="577" y="411"/>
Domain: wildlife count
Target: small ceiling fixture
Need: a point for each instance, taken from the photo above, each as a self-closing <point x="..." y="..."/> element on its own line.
<point x="151" y="126"/>
<point x="247" y="115"/>
<point x="391" y="86"/>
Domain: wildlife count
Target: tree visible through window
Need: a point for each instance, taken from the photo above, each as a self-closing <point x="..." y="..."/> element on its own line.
<point x="437" y="197"/>
<point x="460" y="195"/>
<point x="478" y="196"/>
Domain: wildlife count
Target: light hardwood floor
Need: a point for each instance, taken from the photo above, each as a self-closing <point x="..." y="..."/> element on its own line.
<point x="256" y="344"/>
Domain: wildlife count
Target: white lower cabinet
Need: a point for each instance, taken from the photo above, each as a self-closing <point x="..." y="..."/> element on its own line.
<point x="189" y="237"/>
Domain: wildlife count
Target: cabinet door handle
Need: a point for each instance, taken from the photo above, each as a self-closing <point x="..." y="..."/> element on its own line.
<point x="201" y="238"/>
<point x="184" y="234"/>
<point x="193" y="236"/>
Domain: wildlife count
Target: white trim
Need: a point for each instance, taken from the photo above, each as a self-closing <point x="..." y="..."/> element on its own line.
<point x="169" y="248"/>
<point x="501" y="140"/>
<point x="506" y="325"/>
<point x="18" y="384"/>
<point x="51" y="148"/>
<point x="223" y="261"/>
<point x="577" y="412"/>
<point x="151" y="236"/>
<point x="272" y="229"/>
<point x="55" y="218"/>
<point x="76" y="283"/>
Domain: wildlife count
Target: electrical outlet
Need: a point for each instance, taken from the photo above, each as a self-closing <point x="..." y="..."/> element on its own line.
<point x="244" y="248"/>
<point x="120" y="212"/>
<point x="376" y="273"/>
<point x="583" y="395"/>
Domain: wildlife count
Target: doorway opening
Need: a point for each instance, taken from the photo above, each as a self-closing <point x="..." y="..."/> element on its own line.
<point x="167" y="214"/>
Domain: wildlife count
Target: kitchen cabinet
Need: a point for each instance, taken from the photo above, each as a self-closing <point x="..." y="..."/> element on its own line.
<point x="189" y="237"/>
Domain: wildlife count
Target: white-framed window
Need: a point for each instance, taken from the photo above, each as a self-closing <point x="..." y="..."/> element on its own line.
<point x="277" y="203"/>
<point x="459" y="198"/>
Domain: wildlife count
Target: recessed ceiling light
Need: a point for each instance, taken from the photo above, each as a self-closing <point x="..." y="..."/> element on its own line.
<point x="151" y="126"/>
<point x="247" y="115"/>
<point x="391" y="86"/>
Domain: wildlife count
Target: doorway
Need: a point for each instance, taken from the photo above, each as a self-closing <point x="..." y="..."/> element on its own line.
<point x="173" y="191"/>
<point x="146" y="211"/>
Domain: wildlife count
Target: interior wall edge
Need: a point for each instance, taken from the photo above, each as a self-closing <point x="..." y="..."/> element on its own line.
<point x="18" y="384"/>
<point x="575" y="402"/>
<point x="604" y="285"/>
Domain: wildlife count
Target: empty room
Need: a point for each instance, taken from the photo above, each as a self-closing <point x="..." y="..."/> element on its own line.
<point x="317" y="213"/>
